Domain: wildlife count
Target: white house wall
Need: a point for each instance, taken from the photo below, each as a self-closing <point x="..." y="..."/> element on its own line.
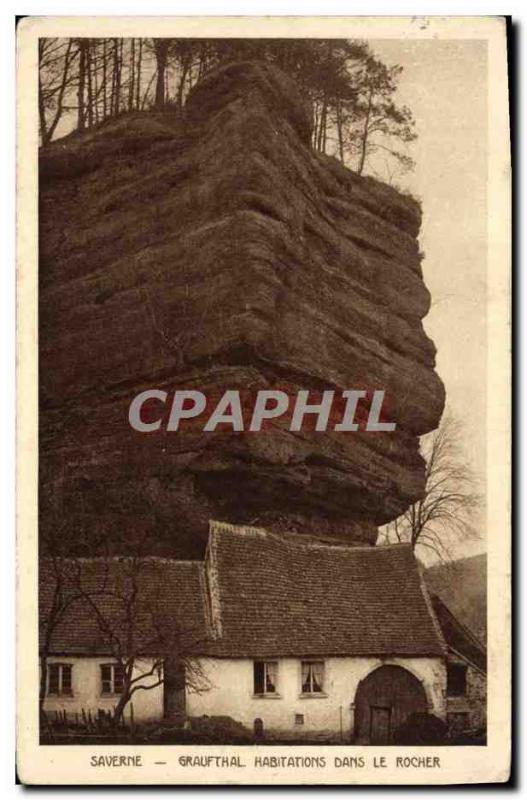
<point x="231" y="692"/>
<point x="86" y="691"/>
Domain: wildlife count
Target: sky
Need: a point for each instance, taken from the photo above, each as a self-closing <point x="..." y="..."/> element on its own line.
<point x="445" y="85"/>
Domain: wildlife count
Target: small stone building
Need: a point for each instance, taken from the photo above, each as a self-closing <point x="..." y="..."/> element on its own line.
<point x="466" y="689"/>
<point x="289" y="636"/>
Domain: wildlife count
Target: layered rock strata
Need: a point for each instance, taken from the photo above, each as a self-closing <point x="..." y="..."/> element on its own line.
<point x="217" y="251"/>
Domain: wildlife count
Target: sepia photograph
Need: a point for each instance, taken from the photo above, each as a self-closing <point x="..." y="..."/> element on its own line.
<point x="264" y="466"/>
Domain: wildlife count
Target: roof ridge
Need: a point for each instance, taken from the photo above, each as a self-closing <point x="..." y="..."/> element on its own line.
<point x="430" y="607"/>
<point x="116" y="559"/>
<point x="298" y="540"/>
<point x="218" y="526"/>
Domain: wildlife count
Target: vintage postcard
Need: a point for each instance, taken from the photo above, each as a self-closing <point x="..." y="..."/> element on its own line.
<point x="264" y="400"/>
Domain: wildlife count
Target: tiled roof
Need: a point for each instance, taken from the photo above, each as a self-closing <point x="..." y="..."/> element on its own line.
<point x="258" y="595"/>
<point x="280" y="597"/>
<point x="96" y="593"/>
<point x="458" y="637"/>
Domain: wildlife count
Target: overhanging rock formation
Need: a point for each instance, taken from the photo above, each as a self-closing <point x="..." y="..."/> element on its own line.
<point x="219" y="251"/>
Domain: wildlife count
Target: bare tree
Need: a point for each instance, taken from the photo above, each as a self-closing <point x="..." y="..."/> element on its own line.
<point x="351" y="92"/>
<point x="138" y="67"/>
<point x="55" y="77"/>
<point x="443" y="516"/>
<point x="375" y="121"/>
<point x="115" y="104"/>
<point x="53" y="609"/>
<point x="55" y="596"/>
<point x="161" y="50"/>
<point x="148" y="645"/>
<point x="58" y="592"/>
<point x="81" y="99"/>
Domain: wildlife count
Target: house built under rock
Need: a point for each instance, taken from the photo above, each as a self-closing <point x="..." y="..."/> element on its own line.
<point x="217" y="251"/>
<point x="292" y="637"/>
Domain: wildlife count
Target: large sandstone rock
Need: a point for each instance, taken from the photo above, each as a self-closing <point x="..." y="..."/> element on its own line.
<point x="219" y="251"/>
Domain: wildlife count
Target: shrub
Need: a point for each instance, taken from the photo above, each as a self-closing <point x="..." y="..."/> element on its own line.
<point x="219" y="730"/>
<point x="421" y="728"/>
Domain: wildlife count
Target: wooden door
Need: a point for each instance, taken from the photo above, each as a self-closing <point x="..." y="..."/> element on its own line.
<point x="174" y="690"/>
<point x="380" y="724"/>
<point x="383" y="701"/>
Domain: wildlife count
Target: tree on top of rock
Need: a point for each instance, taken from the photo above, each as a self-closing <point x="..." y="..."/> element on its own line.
<point x="374" y="121"/>
<point x="355" y="116"/>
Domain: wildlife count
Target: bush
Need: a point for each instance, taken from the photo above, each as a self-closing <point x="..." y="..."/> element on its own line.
<point x="219" y="730"/>
<point x="421" y="728"/>
<point x="471" y="737"/>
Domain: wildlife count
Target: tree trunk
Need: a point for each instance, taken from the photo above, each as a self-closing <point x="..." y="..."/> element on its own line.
<point x="43" y="682"/>
<point x="96" y="87"/>
<point x="339" y="129"/>
<point x="315" y="125"/>
<point x="161" y="53"/>
<point x="174" y="703"/>
<point x="118" y="711"/>
<point x="364" y="139"/>
<point x="138" y="75"/>
<point x="104" y="77"/>
<point x="42" y="112"/>
<point x="184" y="70"/>
<point x="60" y="98"/>
<point x="89" y="83"/>
<point x="81" y="118"/>
<point x="116" y="77"/>
<point x="131" y="79"/>
<point x="120" y="72"/>
<point x="322" y="125"/>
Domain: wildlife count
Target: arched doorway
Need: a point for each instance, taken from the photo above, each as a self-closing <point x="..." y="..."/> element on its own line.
<point x="383" y="701"/>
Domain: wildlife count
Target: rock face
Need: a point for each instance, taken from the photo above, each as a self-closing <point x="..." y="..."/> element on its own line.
<point x="218" y="251"/>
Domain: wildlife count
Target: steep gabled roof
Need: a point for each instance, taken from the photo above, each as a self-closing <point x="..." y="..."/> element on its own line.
<point x="458" y="637"/>
<point x="257" y="595"/>
<point x="280" y="597"/>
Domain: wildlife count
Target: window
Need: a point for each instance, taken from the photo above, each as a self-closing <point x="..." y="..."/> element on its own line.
<point x="59" y="679"/>
<point x="299" y="719"/>
<point x="456" y="680"/>
<point x="265" y="673"/>
<point x="312" y="677"/>
<point x="112" y="678"/>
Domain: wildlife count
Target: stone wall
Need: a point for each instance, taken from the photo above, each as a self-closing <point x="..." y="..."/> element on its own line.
<point x="470" y="710"/>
